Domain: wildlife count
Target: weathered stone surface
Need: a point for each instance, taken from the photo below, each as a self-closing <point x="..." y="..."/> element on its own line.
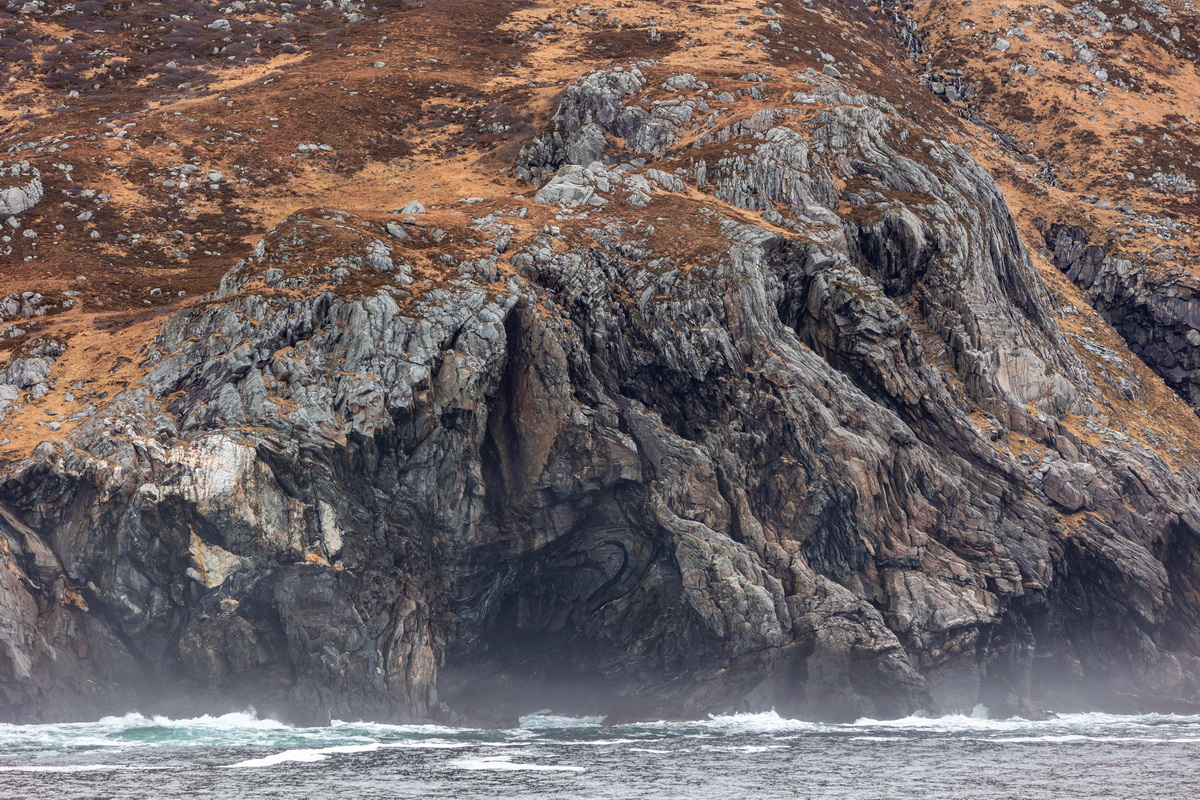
<point x="20" y="188"/>
<point x="768" y="473"/>
<point x="1157" y="312"/>
<point x="1065" y="484"/>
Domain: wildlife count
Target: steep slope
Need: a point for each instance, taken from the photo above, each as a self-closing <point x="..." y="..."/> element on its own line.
<point x="1096" y="102"/>
<point x="713" y="374"/>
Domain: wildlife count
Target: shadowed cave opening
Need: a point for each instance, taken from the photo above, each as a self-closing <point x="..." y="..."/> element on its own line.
<point x="564" y="627"/>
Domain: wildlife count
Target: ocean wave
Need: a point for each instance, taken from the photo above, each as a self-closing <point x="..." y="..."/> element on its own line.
<point x="596" y="742"/>
<point x="1077" y="737"/>
<point x="322" y="753"/>
<point x="241" y="728"/>
<point x="247" y="729"/>
<point x="743" y="748"/>
<point x="504" y="763"/>
<point x="72" y="767"/>
<point x="107" y="731"/>
<point x="305" y="755"/>
<point x="545" y="719"/>
<point x="771" y="722"/>
<point x="762" y="722"/>
<point x="388" y="728"/>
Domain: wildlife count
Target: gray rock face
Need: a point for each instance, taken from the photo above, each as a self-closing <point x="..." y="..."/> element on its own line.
<point x="572" y="186"/>
<point x="616" y="478"/>
<point x="1065" y="485"/>
<point x="20" y="188"/>
<point x="1157" y="313"/>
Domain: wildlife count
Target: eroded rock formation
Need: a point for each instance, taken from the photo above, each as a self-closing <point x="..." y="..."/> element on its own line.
<point x="20" y="188"/>
<point x="777" y="413"/>
<point x="1156" y="310"/>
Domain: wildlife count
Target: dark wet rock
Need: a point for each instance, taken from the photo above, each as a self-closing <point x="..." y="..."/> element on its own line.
<point x="1157" y="312"/>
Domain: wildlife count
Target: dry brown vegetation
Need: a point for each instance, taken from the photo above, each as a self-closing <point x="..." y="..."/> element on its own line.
<point x="118" y="104"/>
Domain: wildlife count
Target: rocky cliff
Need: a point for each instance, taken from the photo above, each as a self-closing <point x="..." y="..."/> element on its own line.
<point x="723" y="380"/>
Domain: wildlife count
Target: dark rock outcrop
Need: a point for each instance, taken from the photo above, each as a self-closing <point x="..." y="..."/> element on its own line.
<point x="1156" y="312"/>
<point x="612" y="469"/>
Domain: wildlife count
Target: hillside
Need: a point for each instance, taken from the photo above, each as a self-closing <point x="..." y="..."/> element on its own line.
<point x="450" y="360"/>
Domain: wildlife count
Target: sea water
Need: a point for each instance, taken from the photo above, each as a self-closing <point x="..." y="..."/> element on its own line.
<point x="755" y="756"/>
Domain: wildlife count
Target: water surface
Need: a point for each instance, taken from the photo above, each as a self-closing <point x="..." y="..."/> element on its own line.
<point x="756" y="756"/>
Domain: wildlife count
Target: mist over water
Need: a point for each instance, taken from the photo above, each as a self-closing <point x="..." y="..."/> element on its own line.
<point x="727" y="757"/>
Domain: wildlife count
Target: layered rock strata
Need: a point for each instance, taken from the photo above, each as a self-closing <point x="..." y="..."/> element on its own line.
<point x="776" y="414"/>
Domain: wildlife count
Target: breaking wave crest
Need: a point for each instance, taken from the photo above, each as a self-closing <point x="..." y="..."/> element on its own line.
<point x="763" y="755"/>
<point x="267" y="742"/>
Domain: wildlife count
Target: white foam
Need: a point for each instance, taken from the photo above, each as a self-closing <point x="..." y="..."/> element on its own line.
<point x="279" y="758"/>
<point x="977" y="722"/>
<point x="504" y="764"/>
<point x="544" y="719"/>
<point x="305" y="755"/>
<point x="744" y="748"/>
<point x="413" y="730"/>
<point x="1068" y="738"/>
<point x="951" y="722"/>
<point x="73" y="768"/>
<point x="112" y="731"/>
<point x="135" y="730"/>
<point x="239" y="720"/>
<point x="764" y="722"/>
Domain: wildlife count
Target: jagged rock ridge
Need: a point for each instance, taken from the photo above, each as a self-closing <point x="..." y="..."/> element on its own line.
<point x="1157" y="314"/>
